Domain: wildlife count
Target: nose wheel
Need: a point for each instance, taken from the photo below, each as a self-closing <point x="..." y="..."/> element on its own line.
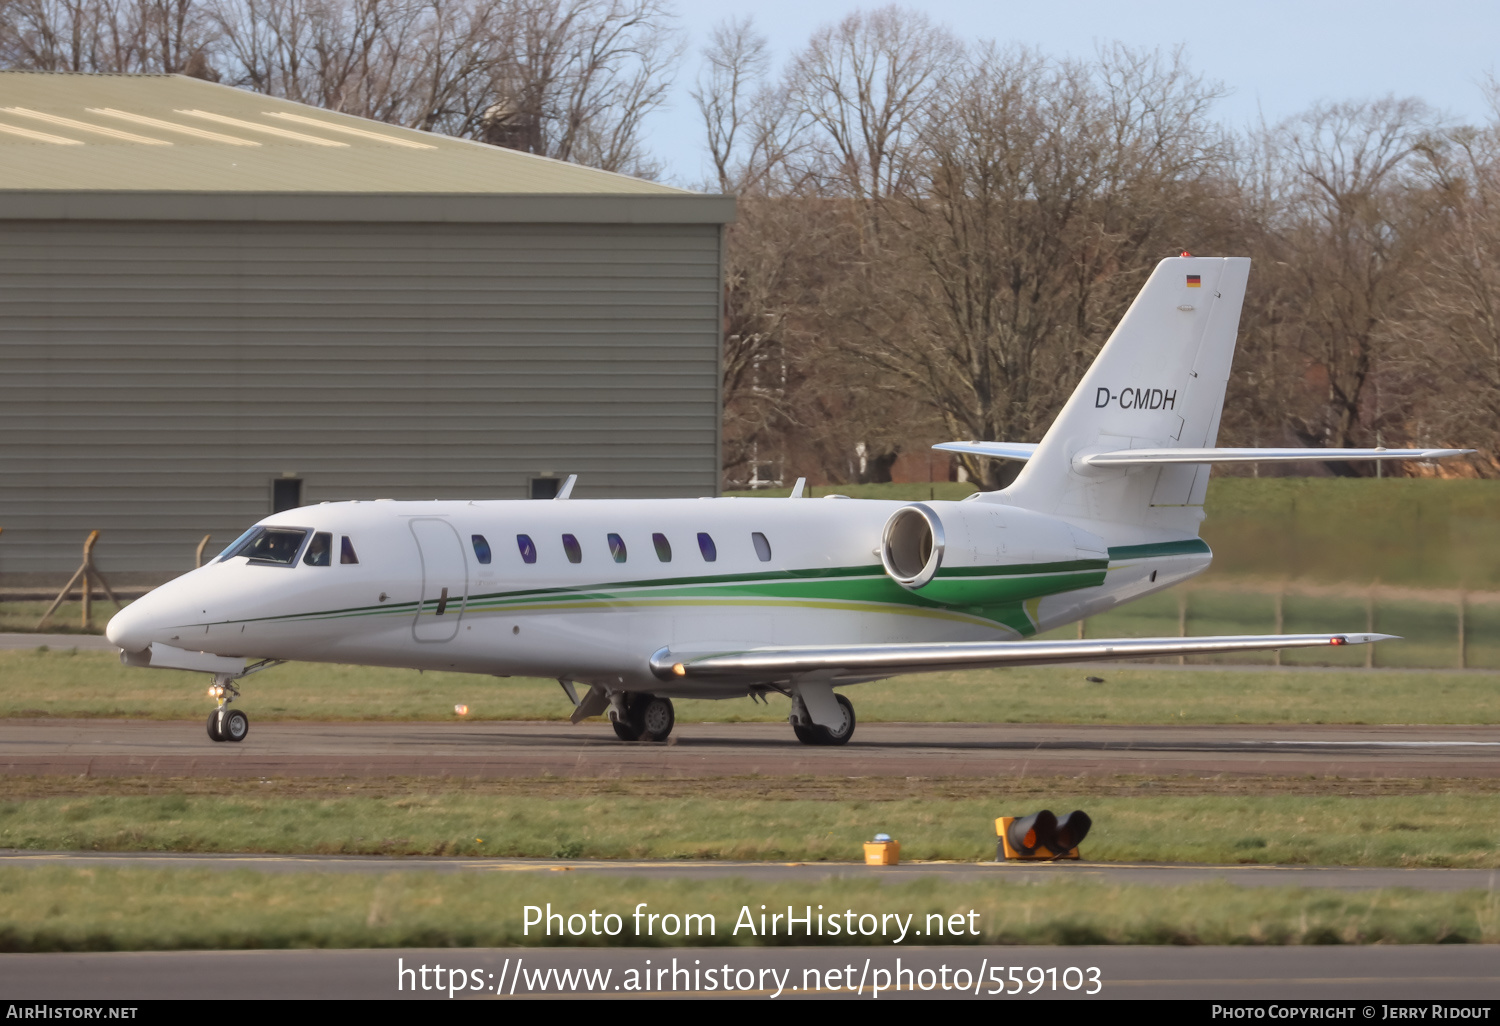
<point x="224" y="723"/>
<point x="228" y="725"/>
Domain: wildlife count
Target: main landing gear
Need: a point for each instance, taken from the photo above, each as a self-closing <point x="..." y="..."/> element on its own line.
<point x="646" y="718"/>
<point x="810" y="733"/>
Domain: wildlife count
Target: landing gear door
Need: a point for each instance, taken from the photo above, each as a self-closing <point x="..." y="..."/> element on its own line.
<point x="445" y="580"/>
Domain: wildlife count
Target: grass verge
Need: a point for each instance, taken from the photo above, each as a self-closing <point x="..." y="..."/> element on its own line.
<point x="69" y="909"/>
<point x="70" y="683"/>
<point x="621" y="822"/>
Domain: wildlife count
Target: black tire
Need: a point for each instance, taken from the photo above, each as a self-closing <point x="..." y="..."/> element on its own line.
<point x="630" y="728"/>
<point x="656" y="718"/>
<point x="213" y="726"/>
<point x="846" y="729"/>
<point x="807" y="735"/>
<point x="236" y="725"/>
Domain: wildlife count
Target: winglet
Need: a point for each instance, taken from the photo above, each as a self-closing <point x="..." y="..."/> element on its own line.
<point x="566" y="491"/>
<point x="797" y="488"/>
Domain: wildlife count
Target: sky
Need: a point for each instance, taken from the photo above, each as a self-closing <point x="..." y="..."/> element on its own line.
<point x="1276" y="57"/>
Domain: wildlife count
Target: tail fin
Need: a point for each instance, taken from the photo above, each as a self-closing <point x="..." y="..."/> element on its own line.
<point x="1158" y="383"/>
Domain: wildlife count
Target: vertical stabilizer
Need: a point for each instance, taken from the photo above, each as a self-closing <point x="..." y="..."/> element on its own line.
<point x="1158" y="383"/>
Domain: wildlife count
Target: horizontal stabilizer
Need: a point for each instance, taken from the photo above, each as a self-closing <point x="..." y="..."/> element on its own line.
<point x="1021" y="451"/>
<point x="1157" y="457"/>
<point x="865" y="662"/>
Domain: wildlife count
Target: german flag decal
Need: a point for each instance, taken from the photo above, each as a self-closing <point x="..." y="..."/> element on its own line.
<point x="1194" y="281"/>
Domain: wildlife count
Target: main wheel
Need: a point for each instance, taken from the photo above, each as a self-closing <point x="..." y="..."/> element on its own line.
<point x="807" y="735"/>
<point x="840" y="734"/>
<point x="656" y="718"/>
<point x="236" y="725"/>
<point x="214" y="733"/>
<point x="630" y="727"/>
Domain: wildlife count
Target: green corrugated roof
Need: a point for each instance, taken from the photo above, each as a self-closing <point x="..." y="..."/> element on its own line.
<point x="164" y="133"/>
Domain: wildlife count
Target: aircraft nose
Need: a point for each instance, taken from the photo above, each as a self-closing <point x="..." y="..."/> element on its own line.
<point x="130" y="628"/>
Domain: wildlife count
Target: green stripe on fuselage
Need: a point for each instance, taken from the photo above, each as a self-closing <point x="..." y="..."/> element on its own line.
<point x="994" y="593"/>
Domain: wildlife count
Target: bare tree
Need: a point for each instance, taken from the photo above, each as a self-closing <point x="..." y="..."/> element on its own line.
<point x="1349" y="240"/>
<point x="1045" y="192"/>
<point x="736" y="62"/>
<point x="118" y="36"/>
<point x="867" y="86"/>
<point x="1452" y="354"/>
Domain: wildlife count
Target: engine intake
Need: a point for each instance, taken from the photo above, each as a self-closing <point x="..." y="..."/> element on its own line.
<point x="912" y="546"/>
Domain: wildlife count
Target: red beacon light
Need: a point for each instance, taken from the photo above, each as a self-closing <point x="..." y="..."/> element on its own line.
<point x="1338" y="640"/>
<point x="1186" y="253"/>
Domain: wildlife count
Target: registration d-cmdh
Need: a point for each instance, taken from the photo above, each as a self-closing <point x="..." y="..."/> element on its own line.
<point x="629" y="604"/>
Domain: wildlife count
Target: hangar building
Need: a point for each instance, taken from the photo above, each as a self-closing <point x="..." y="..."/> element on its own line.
<point x="214" y="304"/>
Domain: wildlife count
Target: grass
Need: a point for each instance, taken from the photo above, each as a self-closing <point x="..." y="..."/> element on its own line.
<point x="70" y="909"/>
<point x="70" y="683"/>
<point x="753" y="820"/>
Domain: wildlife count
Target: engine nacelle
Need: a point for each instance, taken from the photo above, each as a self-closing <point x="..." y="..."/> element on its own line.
<point x="922" y="538"/>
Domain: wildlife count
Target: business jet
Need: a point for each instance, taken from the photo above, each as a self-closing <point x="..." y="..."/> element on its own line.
<point x="629" y="603"/>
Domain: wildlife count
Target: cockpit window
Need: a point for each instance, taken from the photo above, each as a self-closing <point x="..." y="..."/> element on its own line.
<point x="269" y="546"/>
<point x="234" y="546"/>
<point x="346" y="551"/>
<point x="320" y="551"/>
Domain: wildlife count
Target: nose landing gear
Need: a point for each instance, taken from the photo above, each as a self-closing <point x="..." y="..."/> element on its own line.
<point x="224" y="723"/>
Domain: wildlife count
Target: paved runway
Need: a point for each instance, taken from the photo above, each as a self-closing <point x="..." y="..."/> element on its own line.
<point x="1366" y="977"/>
<point x="1147" y="873"/>
<point x="511" y="749"/>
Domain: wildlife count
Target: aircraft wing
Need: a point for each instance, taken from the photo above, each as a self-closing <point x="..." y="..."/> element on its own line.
<point x="866" y="662"/>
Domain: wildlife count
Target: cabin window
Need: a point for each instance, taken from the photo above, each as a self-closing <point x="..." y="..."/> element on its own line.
<point x="762" y="547"/>
<point x="663" y="547"/>
<point x="270" y="546"/>
<point x="572" y="548"/>
<point x="320" y="551"/>
<point x="528" y="550"/>
<point x="481" y="548"/>
<point x="706" y="546"/>
<point x="346" y="551"/>
<point x="617" y="548"/>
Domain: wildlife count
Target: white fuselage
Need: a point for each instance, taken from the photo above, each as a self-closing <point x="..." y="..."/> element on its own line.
<point x="492" y="586"/>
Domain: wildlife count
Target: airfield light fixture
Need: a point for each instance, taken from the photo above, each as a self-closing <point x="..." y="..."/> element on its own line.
<point x="1042" y="835"/>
